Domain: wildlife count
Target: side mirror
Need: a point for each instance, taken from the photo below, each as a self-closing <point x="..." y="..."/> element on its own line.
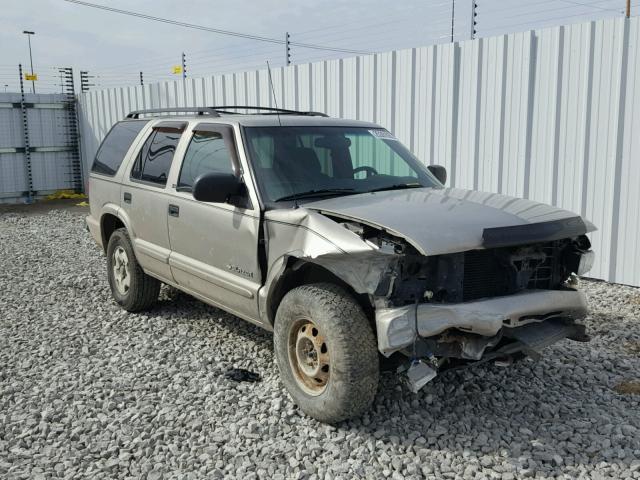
<point x="216" y="187"/>
<point x="439" y="172"/>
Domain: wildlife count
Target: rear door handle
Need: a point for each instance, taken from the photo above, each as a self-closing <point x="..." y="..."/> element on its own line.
<point x="174" y="210"/>
<point x="127" y="197"/>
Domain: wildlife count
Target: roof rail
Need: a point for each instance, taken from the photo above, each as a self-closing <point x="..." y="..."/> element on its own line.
<point x="199" y="110"/>
<point x="268" y="110"/>
<point x="224" y="109"/>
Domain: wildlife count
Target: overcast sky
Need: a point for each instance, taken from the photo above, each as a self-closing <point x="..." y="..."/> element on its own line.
<point x="116" y="47"/>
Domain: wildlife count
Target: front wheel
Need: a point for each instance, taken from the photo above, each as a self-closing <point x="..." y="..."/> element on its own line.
<point x="326" y="352"/>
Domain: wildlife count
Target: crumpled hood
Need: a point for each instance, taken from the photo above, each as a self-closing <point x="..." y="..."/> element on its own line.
<point x="438" y="221"/>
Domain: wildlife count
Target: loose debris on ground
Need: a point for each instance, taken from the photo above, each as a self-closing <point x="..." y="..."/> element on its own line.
<point x="90" y="391"/>
<point x="242" y="375"/>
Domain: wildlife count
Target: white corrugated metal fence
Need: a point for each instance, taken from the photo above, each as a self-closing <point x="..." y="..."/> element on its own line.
<point x="552" y="115"/>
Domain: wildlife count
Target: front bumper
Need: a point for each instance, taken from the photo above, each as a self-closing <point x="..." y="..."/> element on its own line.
<point x="398" y="327"/>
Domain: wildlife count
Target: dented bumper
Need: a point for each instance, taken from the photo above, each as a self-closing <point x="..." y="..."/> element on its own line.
<point x="398" y="327"/>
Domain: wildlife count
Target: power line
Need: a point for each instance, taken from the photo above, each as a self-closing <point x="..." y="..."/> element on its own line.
<point x="519" y="7"/>
<point x="530" y="13"/>
<point x="148" y="65"/>
<point x="194" y="54"/>
<point x="540" y="23"/>
<point x="210" y="29"/>
<point x="392" y="19"/>
<point x="591" y="6"/>
<point x="433" y="28"/>
<point x="437" y="24"/>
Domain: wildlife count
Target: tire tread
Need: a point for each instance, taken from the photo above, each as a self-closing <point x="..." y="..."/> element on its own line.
<point x="144" y="290"/>
<point x="356" y="346"/>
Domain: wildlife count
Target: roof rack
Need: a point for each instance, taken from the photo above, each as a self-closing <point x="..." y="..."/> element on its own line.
<point x="224" y="110"/>
<point x="199" y="110"/>
<point x="267" y="110"/>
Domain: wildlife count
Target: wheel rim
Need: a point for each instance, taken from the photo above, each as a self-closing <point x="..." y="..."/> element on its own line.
<point x="309" y="357"/>
<point x="121" y="275"/>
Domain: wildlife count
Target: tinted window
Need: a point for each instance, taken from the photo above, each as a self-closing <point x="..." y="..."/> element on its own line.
<point x="155" y="157"/>
<point x="136" y="171"/>
<point x="207" y="152"/>
<point x="114" y="147"/>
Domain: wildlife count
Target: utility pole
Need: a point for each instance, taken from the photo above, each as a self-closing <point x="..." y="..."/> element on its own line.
<point x="474" y="14"/>
<point x="453" y="17"/>
<point x="33" y="82"/>
<point x="141" y="79"/>
<point x="628" y="10"/>
<point x="287" y="49"/>
<point x="184" y="66"/>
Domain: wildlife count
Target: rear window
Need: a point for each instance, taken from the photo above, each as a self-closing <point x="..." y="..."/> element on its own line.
<point x="156" y="155"/>
<point x="115" y="146"/>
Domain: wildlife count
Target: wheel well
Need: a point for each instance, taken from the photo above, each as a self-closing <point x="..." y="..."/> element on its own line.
<point x="108" y="224"/>
<point x="304" y="273"/>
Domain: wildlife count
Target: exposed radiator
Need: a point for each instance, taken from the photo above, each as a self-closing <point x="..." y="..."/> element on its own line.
<point x="489" y="274"/>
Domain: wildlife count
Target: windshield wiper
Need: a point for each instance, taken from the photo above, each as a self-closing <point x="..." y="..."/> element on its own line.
<point x="316" y="193"/>
<point x="396" y="186"/>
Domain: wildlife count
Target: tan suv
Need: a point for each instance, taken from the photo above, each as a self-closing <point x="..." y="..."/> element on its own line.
<point x="333" y="235"/>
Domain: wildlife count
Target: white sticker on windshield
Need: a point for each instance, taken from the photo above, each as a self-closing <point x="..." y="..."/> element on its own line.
<point x="382" y="133"/>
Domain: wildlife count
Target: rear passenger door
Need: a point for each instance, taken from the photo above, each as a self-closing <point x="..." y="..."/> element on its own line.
<point x="214" y="245"/>
<point x="145" y="199"/>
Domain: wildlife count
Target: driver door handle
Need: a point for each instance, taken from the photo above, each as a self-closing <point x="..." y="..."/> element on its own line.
<point x="174" y="210"/>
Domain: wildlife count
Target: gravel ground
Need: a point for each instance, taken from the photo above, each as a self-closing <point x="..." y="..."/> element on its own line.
<point x="88" y="390"/>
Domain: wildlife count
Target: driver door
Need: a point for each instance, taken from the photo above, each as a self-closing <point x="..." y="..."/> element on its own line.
<point x="214" y="245"/>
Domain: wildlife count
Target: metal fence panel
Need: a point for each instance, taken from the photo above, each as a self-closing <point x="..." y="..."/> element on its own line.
<point x="53" y="161"/>
<point x="548" y="115"/>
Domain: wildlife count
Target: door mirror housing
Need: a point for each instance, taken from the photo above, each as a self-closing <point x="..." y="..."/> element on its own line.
<point x="439" y="172"/>
<point x="216" y="187"/>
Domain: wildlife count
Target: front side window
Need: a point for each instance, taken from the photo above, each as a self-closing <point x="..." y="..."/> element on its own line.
<point x="312" y="161"/>
<point x="115" y="146"/>
<point x="207" y="152"/>
<point x="156" y="155"/>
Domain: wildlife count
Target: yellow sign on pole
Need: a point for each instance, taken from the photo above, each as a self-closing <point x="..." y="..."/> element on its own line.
<point x="31" y="76"/>
<point x="177" y="69"/>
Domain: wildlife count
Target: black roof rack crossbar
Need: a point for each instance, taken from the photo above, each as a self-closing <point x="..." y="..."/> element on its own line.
<point x="269" y="110"/>
<point x="198" y="110"/>
<point x="224" y="109"/>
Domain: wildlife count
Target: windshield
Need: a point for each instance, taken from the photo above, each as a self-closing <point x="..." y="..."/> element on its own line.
<point x="321" y="161"/>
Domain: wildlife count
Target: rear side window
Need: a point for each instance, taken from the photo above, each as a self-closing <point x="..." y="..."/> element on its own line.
<point x="156" y="155"/>
<point x="207" y="152"/>
<point x="115" y="146"/>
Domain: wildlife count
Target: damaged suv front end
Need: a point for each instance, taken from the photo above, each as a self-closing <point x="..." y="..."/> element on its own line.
<point x="510" y="296"/>
<point x="482" y="305"/>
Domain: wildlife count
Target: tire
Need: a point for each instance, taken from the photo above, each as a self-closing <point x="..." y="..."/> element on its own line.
<point x="342" y="381"/>
<point x="142" y="290"/>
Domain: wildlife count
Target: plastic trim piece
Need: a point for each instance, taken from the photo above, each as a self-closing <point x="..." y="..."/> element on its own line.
<point x="533" y="232"/>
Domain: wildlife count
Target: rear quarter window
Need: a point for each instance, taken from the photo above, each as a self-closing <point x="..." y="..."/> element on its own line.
<point x="115" y="146"/>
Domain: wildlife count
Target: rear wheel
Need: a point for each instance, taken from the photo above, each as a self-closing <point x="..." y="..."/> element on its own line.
<point x="131" y="288"/>
<point x="326" y="352"/>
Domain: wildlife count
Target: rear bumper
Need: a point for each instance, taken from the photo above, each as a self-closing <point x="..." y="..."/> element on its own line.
<point x="396" y="327"/>
<point x="94" y="228"/>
